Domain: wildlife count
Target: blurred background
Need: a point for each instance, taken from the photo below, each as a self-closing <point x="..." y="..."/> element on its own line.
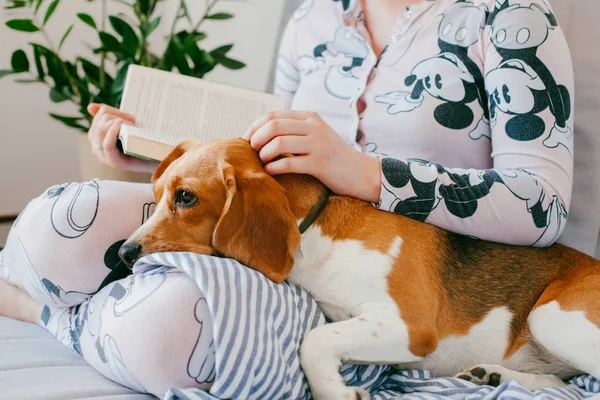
<point x="37" y="151"/>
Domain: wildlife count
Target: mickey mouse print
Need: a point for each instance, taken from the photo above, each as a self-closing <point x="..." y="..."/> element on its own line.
<point x="468" y="108"/>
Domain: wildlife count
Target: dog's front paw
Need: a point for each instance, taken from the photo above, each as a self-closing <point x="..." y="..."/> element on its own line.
<point x="361" y="394"/>
<point x="335" y="392"/>
<point x="482" y="375"/>
<point x="494" y="375"/>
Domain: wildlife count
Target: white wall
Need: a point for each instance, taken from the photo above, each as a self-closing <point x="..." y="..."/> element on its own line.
<point x="37" y="152"/>
<point x="254" y="33"/>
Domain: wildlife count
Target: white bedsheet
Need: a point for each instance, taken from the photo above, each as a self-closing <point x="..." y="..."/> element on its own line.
<point x="33" y="365"/>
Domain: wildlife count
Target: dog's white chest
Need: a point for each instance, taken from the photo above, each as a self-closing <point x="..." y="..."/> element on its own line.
<point x="342" y="276"/>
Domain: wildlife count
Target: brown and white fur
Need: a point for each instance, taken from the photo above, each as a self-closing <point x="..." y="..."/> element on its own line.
<point x="400" y="292"/>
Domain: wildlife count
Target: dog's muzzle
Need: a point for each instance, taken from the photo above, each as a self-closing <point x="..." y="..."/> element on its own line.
<point x="130" y="253"/>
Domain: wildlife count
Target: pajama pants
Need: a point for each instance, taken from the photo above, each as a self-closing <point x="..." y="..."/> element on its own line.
<point x="147" y="331"/>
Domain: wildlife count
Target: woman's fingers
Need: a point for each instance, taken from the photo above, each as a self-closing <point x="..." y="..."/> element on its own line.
<point x="103" y="114"/>
<point x="100" y="126"/>
<point x="109" y="146"/>
<point x="277" y="115"/>
<point x="103" y="135"/>
<point x="287" y="165"/>
<point x="93" y="108"/>
<point x="97" y="109"/>
<point x="290" y="144"/>
<point x="278" y="127"/>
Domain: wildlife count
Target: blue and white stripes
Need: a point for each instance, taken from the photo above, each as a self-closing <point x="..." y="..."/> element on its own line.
<point x="258" y="328"/>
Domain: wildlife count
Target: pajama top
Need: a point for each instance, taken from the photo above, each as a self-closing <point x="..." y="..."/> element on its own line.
<point x="469" y="109"/>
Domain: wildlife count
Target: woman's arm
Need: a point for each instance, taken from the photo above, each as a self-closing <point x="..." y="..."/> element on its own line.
<point x="287" y="74"/>
<point x="524" y="199"/>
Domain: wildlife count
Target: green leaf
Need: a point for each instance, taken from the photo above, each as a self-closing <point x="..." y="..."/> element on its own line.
<point x="54" y="68"/>
<point x="144" y="6"/>
<point x="92" y="73"/>
<point x="37" y="56"/>
<point x="72" y="70"/>
<point x="229" y="63"/>
<point x="130" y="39"/>
<point x="87" y="19"/>
<point x="203" y="60"/>
<point x="50" y="11"/>
<point x="64" y="119"/>
<point x="118" y="84"/>
<point x="222" y="50"/>
<point x="27" y="80"/>
<point x="19" y="61"/>
<point x="42" y="50"/>
<point x="220" y="16"/>
<point x="73" y="122"/>
<point x="4" y="72"/>
<point x="181" y="36"/>
<point x="109" y="42"/>
<point x="198" y="36"/>
<point x="62" y="41"/>
<point x="166" y="62"/>
<point x="22" y="25"/>
<point x="37" y="6"/>
<point x="119" y="25"/>
<point x="179" y="56"/>
<point x="91" y="70"/>
<point x="16" y="4"/>
<point x="57" y="96"/>
<point x="152" y="26"/>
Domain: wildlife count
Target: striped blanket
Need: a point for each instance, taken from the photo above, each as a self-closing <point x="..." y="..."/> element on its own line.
<point x="258" y="328"/>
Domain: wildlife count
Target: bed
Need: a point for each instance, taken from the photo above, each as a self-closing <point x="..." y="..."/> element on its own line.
<point x="35" y="366"/>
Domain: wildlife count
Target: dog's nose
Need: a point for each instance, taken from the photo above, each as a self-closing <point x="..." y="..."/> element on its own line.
<point x="130" y="252"/>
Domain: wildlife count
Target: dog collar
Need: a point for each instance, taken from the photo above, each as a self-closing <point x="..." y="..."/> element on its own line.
<point x="314" y="212"/>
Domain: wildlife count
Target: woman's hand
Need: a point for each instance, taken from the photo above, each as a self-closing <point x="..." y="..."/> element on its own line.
<point x="103" y="136"/>
<point x="317" y="150"/>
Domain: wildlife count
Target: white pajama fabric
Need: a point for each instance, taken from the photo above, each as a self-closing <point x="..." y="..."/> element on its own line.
<point x="63" y="248"/>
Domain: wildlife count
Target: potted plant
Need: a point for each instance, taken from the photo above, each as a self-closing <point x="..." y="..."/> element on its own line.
<point x="100" y="78"/>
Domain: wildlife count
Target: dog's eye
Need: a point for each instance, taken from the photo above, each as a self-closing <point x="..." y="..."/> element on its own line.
<point x="183" y="198"/>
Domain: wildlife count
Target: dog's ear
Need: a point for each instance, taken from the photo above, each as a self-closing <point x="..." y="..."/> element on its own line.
<point x="257" y="227"/>
<point x="182" y="148"/>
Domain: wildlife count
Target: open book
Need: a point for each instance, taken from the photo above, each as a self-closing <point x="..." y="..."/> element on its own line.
<point x="169" y="108"/>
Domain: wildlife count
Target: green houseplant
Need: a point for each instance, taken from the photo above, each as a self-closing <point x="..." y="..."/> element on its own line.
<point x="83" y="80"/>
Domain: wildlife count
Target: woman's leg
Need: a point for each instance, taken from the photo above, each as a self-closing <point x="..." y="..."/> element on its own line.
<point x="63" y="247"/>
<point x="16" y="304"/>
<point x="150" y="332"/>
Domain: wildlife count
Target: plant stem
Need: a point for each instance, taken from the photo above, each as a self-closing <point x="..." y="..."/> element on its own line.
<point x="143" y="21"/>
<point x="187" y="13"/>
<point x="62" y="64"/>
<point x="172" y="31"/>
<point x="38" y="79"/>
<point x="103" y="57"/>
<point x="209" y="7"/>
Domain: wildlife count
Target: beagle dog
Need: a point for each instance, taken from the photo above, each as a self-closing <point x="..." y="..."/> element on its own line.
<point x="399" y="291"/>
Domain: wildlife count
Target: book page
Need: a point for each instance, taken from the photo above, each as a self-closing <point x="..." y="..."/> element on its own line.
<point x="129" y="130"/>
<point x="188" y="108"/>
